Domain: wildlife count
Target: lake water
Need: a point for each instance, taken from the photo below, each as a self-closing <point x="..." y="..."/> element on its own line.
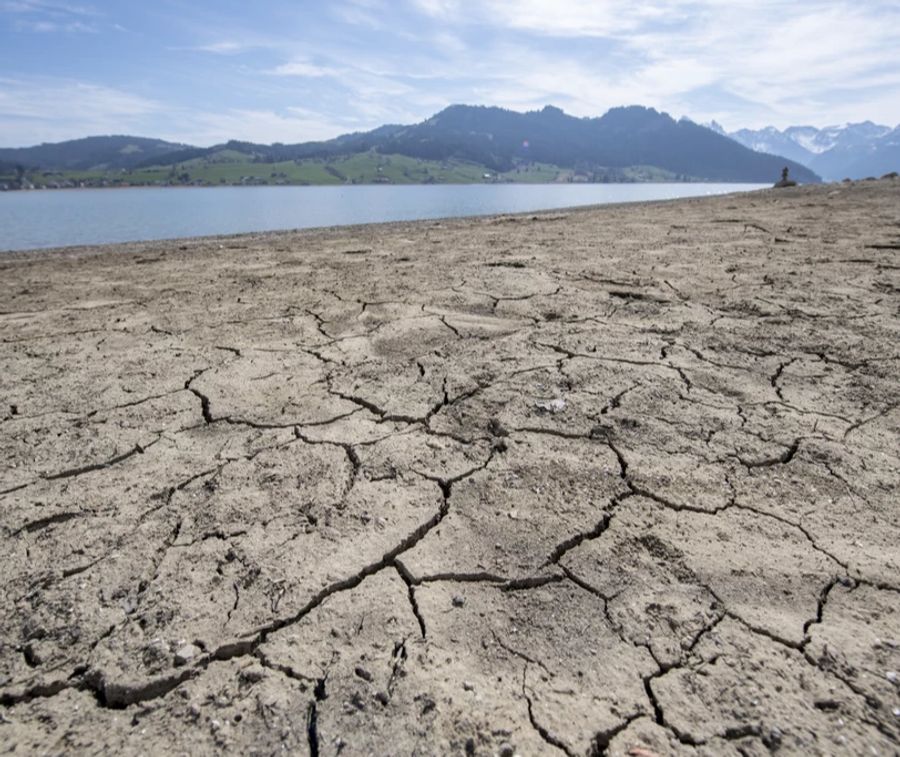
<point x="57" y="218"/>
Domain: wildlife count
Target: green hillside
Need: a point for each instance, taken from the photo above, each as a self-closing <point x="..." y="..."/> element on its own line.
<point x="229" y="167"/>
<point x="461" y="144"/>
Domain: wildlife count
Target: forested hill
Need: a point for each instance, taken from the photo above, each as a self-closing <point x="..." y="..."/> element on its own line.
<point x="90" y="153"/>
<point x="494" y="138"/>
<point x="622" y="137"/>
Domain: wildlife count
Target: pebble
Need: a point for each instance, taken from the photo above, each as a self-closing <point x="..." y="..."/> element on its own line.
<point x="506" y="750"/>
<point x="33" y="653"/>
<point x="458" y="601"/>
<point x="253" y="674"/>
<point x="183" y="655"/>
<point x="891" y="675"/>
<point x="556" y="405"/>
<point x="468" y="686"/>
<point x="773" y="739"/>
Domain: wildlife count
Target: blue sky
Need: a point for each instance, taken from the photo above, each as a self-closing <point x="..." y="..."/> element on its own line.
<point x="272" y="70"/>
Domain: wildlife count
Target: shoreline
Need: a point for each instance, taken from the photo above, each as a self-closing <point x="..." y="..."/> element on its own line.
<point x="383" y="184"/>
<point x="211" y="238"/>
<point x="608" y="479"/>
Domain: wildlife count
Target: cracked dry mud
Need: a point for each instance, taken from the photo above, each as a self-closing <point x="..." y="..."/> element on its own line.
<point x="610" y="481"/>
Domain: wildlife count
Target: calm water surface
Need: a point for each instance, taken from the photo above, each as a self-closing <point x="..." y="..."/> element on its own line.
<point x="57" y="218"/>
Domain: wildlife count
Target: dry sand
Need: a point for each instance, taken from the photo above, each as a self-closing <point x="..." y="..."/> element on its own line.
<point x="611" y="481"/>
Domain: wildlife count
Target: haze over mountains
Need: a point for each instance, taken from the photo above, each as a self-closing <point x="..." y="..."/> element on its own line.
<point x="852" y="151"/>
<point x="499" y="140"/>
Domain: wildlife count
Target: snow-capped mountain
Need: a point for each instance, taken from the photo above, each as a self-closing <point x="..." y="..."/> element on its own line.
<point x="810" y="138"/>
<point x="776" y="142"/>
<point x="858" y="160"/>
<point x="852" y="150"/>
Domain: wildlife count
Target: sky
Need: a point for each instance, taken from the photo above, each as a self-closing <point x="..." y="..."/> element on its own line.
<point x="205" y="71"/>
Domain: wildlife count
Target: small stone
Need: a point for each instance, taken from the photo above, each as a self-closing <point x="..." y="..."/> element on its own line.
<point x="382" y="698"/>
<point x="186" y="653"/>
<point x="600" y="431"/>
<point x="496" y="428"/>
<point x="33" y="654"/>
<point x="253" y="674"/>
<point x="772" y="740"/>
<point x="506" y="750"/>
<point x="556" y="405"/>
<point x="458" y="601"/>
<point x="428" y="704"/>
<point x="156" y="653"/>
<point x="468" y="686"/>
<point x="363" y="673"/>
<point x="891" y="675"/>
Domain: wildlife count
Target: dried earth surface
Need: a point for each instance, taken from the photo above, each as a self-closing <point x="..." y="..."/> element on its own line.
<point x="611" y="481"/>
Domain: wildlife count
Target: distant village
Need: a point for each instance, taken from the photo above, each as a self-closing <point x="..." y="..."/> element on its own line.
<point x="57" y="180"/>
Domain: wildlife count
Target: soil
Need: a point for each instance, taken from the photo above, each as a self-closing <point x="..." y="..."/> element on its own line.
<point x="619" y="480"/>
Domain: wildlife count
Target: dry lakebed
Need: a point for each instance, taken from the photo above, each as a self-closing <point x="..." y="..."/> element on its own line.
<point x="618" y="480"/>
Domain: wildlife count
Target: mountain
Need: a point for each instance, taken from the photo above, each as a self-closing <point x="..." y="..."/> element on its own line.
<point x="629" y="136"/>
<point x="835" y="152"/>
<point x="774" y="142"/>
<point x="875" y="157"/>
<point x="499" y="139"/>
<point x="495" y="138"/>
<point x="90" y="153"/>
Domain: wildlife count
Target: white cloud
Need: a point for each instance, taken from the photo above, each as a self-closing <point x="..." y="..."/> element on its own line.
<point x="439" y="8"/>
<point x="783" y="61"/>
<point x="252" y="125"/>
<point x="573" y="18"/>
<point x="47" y="7"/>
<point x="303" y="68"/>
<point x="50" y="27"/>
<point x="565" y="18"/>
<point x="744" y="63"/>
<point x="360" y="14"/>
<point x="34" y="110"/>
<point x="47" y="17"/>
<point x="225" y="47"/>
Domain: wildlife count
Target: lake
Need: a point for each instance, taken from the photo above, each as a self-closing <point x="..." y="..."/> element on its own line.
<point x="57" y="218"/>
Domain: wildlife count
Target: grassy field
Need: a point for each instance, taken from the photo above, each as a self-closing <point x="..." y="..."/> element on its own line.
<point x="229" y="167"/>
